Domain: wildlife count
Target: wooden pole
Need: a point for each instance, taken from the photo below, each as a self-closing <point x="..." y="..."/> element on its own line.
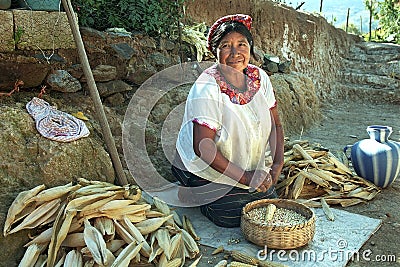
<point x="73" y="22"/>
<point x="370" y="20"/>
<point x="347" y="20"/>
<point x="320" y="7"/>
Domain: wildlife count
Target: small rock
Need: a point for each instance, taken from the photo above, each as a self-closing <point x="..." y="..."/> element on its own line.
<point x="103" y="73"/>
<point x="62" y="81"/>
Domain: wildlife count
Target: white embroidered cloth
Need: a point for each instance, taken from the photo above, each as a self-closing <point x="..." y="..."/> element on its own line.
<point x="54" y="124"/>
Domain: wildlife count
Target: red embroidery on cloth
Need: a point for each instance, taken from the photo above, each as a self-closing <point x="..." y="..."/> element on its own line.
<point x="253" y="84"/>
<point x="195" y="120"/>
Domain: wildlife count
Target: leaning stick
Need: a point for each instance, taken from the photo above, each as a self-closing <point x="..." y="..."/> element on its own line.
<point x="73" y="22"/>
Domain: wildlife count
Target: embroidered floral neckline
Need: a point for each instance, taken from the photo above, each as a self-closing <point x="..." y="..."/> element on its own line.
<point x="253" y="82"/>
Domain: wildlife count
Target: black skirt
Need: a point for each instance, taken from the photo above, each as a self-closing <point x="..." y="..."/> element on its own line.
<point x="224" y="203"/>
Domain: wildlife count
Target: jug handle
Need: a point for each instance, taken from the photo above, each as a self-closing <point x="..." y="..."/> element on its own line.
<point x="345" y="151"/>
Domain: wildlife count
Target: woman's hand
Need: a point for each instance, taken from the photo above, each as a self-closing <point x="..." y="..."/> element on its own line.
<point x="257" y="180"/>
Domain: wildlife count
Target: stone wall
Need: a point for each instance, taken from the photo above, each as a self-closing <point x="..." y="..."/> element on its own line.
<point x="34" y="30"/>
<point x="313" y="45"/>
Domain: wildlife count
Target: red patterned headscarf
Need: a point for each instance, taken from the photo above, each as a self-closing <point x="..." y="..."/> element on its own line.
<point x="246" y="20"/>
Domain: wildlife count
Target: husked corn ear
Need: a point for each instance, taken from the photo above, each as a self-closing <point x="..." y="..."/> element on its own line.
<point x="163" y="239"/>
<point x="43" y="237"/>
<point x="269" y="212"/>
<point x="134" y="232"/>
<point x="218" y="250"/>
<point x="96" y="244"/>
<point x="190" y="246"/>
<point x="195" y="262"/>
<point x="31" y="255"/>
<point x="73" y="259"/>
<point x="115" y="244"/>
<point x="74" y="240"/>
<point x="240" y="264"/>
<point x="221" y="263"/>
<point x="19" y="204"/>
<point x="177" y="219"/>
<point x="328" y="212"/>
<point x="188" y="226"/>
<point x="150" y="225"/>
<point x="133" y="192"/>
<point x="127" y="254"/>
<point x="174" y="263"/>
<point x="54" y="192"/>
<point x="38" y="216"/>
<point x="242" y="257"/>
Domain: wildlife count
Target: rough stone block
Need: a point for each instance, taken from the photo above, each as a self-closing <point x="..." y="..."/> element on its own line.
<point x="43" y="30"/>
<point x="6" y="31"/>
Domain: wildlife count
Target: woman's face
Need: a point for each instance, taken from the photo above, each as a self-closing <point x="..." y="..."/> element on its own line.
<point x="234" y="51"/>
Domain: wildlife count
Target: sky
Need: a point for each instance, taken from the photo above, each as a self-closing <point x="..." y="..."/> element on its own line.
<point x="335" y="11"/>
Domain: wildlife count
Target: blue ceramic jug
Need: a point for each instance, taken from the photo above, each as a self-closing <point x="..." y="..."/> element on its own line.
<point x="376" y="159"/>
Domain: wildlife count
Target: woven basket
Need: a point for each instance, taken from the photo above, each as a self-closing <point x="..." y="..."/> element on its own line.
<point x="278" y="237"/>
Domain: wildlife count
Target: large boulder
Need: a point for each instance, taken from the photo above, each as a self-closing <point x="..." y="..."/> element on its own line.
<point x="27" y="159"/>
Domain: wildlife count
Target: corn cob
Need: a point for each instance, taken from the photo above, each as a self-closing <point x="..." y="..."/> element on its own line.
<point x="218" y="250"/>
<point x="221" y="263"/>
<point x="305" y="155"/>
<point x="328" y="212"/>
<point x="240" y="264"/>
<point x="269" y="213"/>
<point x="324" y="175"/>
<point x="297" y="186"/>
<point x="251" y="261"/>
<point x="244" y="258"/>
<point x="316" y="179"/>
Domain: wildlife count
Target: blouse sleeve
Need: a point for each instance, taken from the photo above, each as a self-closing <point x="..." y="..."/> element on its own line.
<point x="267" y="88"/>
<point x="204" y="102"/>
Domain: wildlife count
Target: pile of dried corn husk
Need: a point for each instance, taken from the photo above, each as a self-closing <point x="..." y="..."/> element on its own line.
<point x="94" y="223"/>
<point x="313" y="173"/>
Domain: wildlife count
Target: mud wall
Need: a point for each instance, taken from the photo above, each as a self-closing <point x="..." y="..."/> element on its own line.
<point x="313" y="45"/>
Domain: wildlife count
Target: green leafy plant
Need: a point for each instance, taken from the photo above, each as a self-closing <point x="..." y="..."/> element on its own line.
<point x="17" y="36"/>
<point x="154" y="17"/>
<point x="389" y="20"/>
<point x="195" y="36"/>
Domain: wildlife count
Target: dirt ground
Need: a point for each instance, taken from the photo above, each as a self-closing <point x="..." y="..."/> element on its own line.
<point x="344" y="124"/>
